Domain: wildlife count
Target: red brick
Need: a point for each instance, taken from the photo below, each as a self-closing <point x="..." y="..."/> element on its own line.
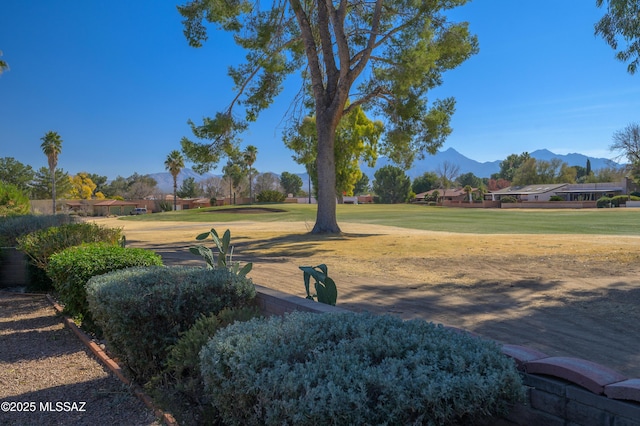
<point x="587" y="374"/>
<point x="628" y="390"/>
<point x="522" y="354"/>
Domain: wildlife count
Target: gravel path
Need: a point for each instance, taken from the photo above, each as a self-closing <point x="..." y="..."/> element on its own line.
<point x="47" y="376"/>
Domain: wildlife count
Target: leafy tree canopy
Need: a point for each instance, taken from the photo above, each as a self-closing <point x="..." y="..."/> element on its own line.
<point x="620" y="28"/>
<point x="16" y="173"/>
<point x="41" y="185"/>
<point x="291" y="183"/>
<point x="381" y="55"/>
<point x="188" y="188"/>
<point x="424" y="183"/>
<point x="391" y="185"/>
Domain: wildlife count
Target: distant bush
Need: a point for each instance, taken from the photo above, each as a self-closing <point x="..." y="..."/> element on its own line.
<point x="40" y="245"/>
<point x="603" y="202"/>
<point x="309" y="369"/>
<point x="13" y="202"/>
<point x="270" y="196"/>
<point x="71" y="268"/>
<point x="143" y="311"/>
<point x="508" y="199"/>
<point x="556" y="198"/>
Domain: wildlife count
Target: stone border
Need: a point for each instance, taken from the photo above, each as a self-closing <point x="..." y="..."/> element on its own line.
<point x="112" y="365"/>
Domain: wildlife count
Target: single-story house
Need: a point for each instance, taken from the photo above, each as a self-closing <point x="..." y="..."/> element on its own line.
<point x="113" y="207"/>
<point x="538" y="192"/>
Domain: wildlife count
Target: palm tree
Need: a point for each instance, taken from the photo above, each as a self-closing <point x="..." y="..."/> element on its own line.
<point x="174" y="163"/>
<point x="469" y="190"/>
<point x="249" y="155"/>
<point x="52" y="146"/>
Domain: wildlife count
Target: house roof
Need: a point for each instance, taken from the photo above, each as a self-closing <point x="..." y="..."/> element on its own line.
<point x="530" y="189"/>
<point x="115" y="203"/>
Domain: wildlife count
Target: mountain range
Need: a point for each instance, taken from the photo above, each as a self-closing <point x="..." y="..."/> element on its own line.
<point x="429" y="164"/>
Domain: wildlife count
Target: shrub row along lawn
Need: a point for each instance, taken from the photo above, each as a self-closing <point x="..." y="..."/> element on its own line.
<point x="195" y="338"/>
<point x="619" y="221"/>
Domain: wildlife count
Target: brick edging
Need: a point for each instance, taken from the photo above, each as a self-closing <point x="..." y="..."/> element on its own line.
<point x="113" y="366"/>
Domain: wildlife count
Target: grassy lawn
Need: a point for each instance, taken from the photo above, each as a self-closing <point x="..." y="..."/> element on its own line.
<point x="620" y="221"/>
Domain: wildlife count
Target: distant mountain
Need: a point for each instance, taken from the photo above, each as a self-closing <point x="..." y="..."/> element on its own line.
<point x="431" y="163"/>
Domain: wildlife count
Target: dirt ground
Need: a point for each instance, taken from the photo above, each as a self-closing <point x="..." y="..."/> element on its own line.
<point x="565" y="295"/>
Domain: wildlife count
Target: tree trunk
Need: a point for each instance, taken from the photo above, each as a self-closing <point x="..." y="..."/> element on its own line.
<point x="326" y="218"/>
<point x="53" y="188"/>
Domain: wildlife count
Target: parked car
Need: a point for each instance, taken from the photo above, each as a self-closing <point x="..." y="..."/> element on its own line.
<point x="139" y="210"/>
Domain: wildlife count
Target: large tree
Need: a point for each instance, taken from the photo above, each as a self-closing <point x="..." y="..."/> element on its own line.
<point x="383" y="55"/>
<point x="291" y="184"/>
<point x="620" y="28"/>
<point x="42" y="183"/>
<point x="174" y="164"/>
<point x="52" y="146"/>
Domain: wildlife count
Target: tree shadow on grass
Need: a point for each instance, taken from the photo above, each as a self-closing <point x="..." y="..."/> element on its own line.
<point x="598" y="326"/>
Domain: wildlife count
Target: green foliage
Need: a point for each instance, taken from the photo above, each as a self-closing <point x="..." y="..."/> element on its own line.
<point x="391" y="185"/>
<point x="326" y="290"/>
<point x="164" y="205"/>
<point x="603" y="202"/>
<point x="356" y="141"/>
<point x="143" y="311"/>
<point x="13" y="202"/>
<point x="424" y="183"/>
<point x="290" y="183"/>
<point x="70" y="269"/>
<point x="224" y="259"/>
<point x="556" y="198"/>
<point x="40" y="245"/>
<point x="188" y="189"/>
<point x="16" y="173"/>
<point x="309" y="369"/>
<point x="621" y="24"/>
<point x="41" y="188"/>
<point x="183" y="360"/>
<point x="271" y="196"/>
<point x="508" y="199"/>
<point x="15" y="226"/>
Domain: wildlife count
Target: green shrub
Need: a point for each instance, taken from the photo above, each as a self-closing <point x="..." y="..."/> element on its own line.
<point x="556" y="198"/>
<point x="15" y="226"/>
<point x="309" y="369"/>
<point x="13" y="202"/>
<point x="183" y="361"/>
<point x="40" y="245"/>
<point x="270" y="196"/>
<point x="603" y="202"/>
<point x="71" y="268"/>
<point x="143" y="311"/>
<point x="508" y="199"/>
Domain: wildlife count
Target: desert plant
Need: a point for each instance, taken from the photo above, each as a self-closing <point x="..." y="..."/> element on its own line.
<point x="224" y="259"/>
<point x="270" y="196"/>
<point x="326" y="291"/>
<point x="40" y="245"/>
<point x="309" y="369"/>
<point x="143" y="311"/>
<point x="71" y="268"/>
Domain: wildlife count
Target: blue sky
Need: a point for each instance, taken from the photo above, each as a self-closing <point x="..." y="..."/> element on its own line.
<point x="118" y="81"/>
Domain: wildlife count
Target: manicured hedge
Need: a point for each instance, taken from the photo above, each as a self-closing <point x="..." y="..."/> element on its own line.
<point x="340" y="369"/>
<point x="143" y="311"/>
<point x="40" y="245"/>
<point x="71" y="268"/>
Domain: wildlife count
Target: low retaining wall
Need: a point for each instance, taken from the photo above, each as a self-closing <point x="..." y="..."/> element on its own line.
<point x="551" y="205"/>
<point x="560" y="390"/>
